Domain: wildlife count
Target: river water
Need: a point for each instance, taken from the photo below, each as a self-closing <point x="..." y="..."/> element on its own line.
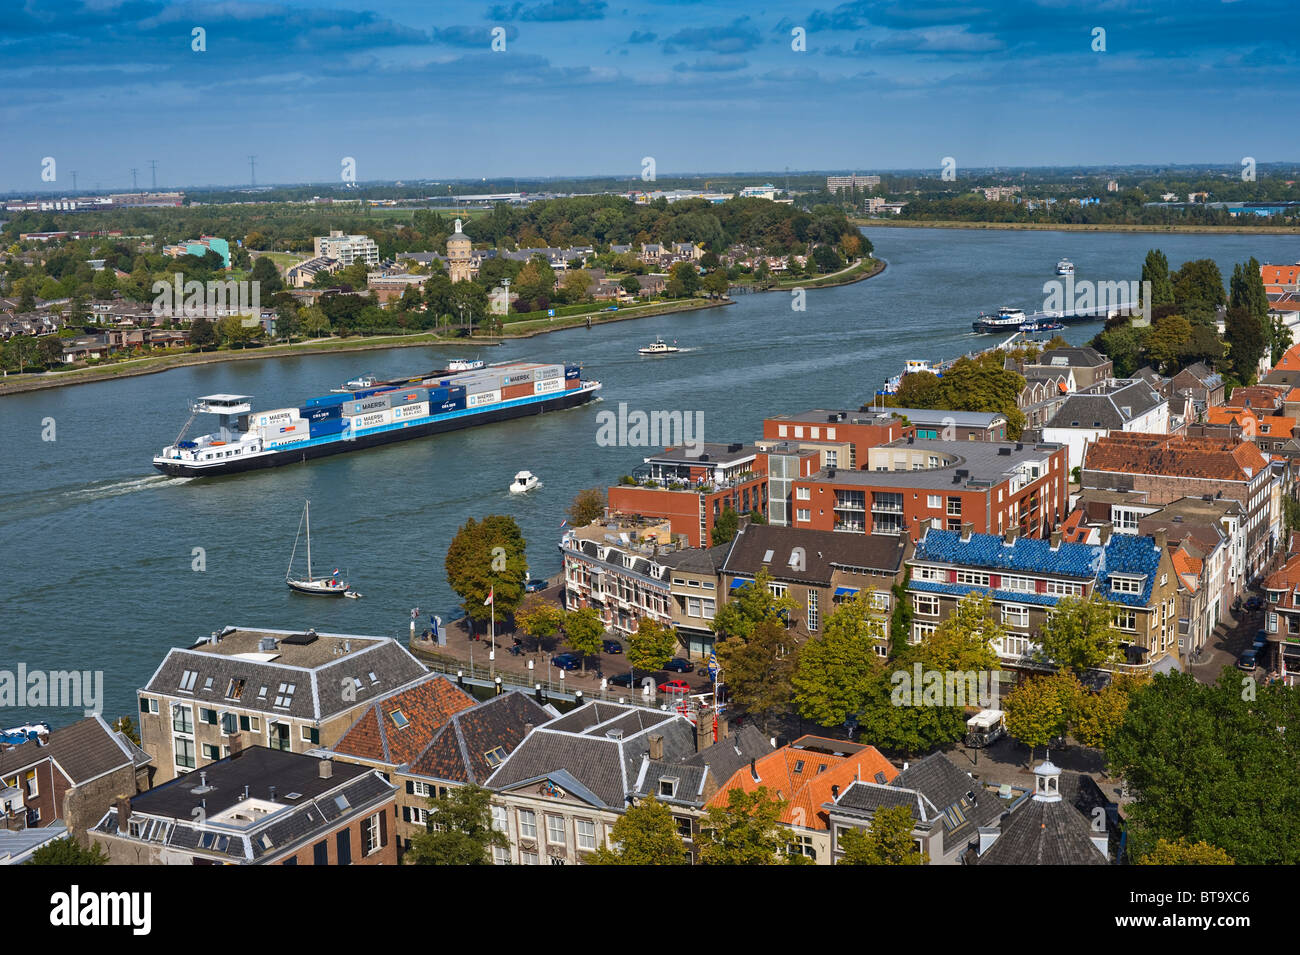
<point x="97" y="551"/>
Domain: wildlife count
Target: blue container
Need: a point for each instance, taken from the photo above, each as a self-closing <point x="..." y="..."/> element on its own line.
<point x="322" y="413"/>
<point x="328" y="401"/>
<point x="320" y="429"/>
<point x="452" y="403"/>
<point x="457" y="391"/>
<point x="572" y="371"/>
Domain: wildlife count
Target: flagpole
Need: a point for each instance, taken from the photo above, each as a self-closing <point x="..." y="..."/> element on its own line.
<point x="493" y="658"/>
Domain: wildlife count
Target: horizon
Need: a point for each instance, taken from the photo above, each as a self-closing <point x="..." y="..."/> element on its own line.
<point x="589" y="89"/>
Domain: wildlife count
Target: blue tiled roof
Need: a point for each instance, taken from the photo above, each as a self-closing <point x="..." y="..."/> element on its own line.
<point x="1122" y="554"/>
<point x="961" y="590"/>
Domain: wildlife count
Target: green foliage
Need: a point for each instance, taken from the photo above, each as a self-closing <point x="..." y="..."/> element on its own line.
<point x="1098" y="716"/>
<point x="1182" y="852"/>
<point x="971" y="384"/>
<point x="1213" y="764"/>
<point x="1039" y="709"/>
<point x="835" y="670"/>
<point x="539" y="618"/>
<point x="588" y="505"/>
<point x="126" y="726"/>
<point x="651" y="645"/>
<point x="725" y="527"/>
<point x="1198" y="283"/>
<point x="757" y="669"/>
<point x="460" y="830"/>
<point x="487" y="556"/>
<point x="888" y="841"/>
<point x="900" y="618"/>
<point x="68" y="852"/>
<point x="584" y="631"/>
<point x="749" y="605"/>
<point x="1246" y="343"/>
<point x="1080" y="634"/>
<point x="1156" y="271"/>
<point x="746" y="831"/>
<point x="644" y="835"/>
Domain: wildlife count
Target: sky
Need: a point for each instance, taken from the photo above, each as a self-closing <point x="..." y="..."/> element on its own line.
<point x="413" y="89"/>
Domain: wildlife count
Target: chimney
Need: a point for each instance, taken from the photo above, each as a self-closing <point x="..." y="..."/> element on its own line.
<point x="1010" y="536"/>
<point x="703" y="732"/>
<point x="753" y="769"/>
<point x="1103" y="533"/>
<point x="326" y="769"/>
<point x="1055" y="538"/>
<point x="835" y="793"/>
<point x="724" y="726"/>
<point x="236" y="744"/>
<point x="123" y="814"/>
<point x="1162" y="539"/>
<point x="966" y="531"/>
<point x="656" y="747"/>
<point x="528" y="728"/>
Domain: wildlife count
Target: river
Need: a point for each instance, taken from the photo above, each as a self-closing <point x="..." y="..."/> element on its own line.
<point x="99" y="551"/>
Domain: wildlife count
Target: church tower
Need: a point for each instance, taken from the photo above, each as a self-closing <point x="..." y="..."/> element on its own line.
<point x="458" y="256"/>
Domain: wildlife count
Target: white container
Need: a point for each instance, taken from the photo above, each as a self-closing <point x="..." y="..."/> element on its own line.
<point x="419" y="409"/>
<point x="372" y="420"/>
<point x="286" y="440"/>
<point x="547" y="385"/>
<point x="550" y="371"/>
<point x="266" y="419"/>
<point x="482" y="398"/>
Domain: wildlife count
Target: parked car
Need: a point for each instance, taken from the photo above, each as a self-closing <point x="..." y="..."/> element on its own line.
<point x="674" y="686"/>
<point x="1254" y="602"/>
<point x="1261" y="638"/>
<point x="612" y="646"/>
<point x="1247" y="660"/>
<point x="566" y="661"/>
<point x="623" y="679"/>
<point x="680" y="665"/>
<point x="533" y="586"/>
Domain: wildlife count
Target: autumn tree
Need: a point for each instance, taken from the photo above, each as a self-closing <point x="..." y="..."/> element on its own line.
<point x="584" y="631"/>
<point x="1080" y="633"/>
<point x="646" y="834"/>
<point x="487" y="557"/>
<point x="746" y="830"/>
<point x="651" y="645"/>
<point x="539" y="618"/>
<point x="757" y="669"/>
<point x="835" y="669"/>
<point x="749" y="605"/>
<point x="588" y="505"/>
<point x="460" y="830"/>
<point x="887" y="842"/>
<point x="1098" y="716"/>
<point x="1182" y="852"/>
<point x="1039" y="709"/>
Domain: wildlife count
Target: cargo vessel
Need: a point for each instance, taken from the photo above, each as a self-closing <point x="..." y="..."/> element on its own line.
<point x="350" y="421"/>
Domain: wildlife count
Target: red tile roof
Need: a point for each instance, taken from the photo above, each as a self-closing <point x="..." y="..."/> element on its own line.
<point x="1289" y="361"/>
<point x="424" y="707"/>
<point x="804" y="777"/>
<point x="1280" y="274"/>
<point x="1174" y="455"/>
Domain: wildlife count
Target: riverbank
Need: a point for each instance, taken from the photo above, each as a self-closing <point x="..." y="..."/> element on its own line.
<point x="1079" y="227"/>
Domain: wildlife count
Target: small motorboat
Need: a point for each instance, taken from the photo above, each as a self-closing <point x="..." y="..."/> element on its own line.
<point x="659" y="347"/>
<point x="465" y="364"/>
<point x="356" y="384"/>
<point x="1065" y="267"/>
<point x="331" y="586"/>
<point x="351" y="595"/>
<point x="524" y="481"/>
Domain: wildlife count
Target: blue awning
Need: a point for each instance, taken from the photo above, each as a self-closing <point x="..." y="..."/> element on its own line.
<point x="735" y="584"/>
<point x="842" y="591"/>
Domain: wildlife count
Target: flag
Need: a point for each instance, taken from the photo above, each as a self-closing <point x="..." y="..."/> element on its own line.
<point x="564" y="522"/>
<point x="336" y="572"/>
<point x="491" y="594"/>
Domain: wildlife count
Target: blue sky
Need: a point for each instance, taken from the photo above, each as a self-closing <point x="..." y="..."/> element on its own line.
<point x="412" y="89"/>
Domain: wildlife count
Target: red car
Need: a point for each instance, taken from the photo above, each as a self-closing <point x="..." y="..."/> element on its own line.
<point x="675" y="686"/>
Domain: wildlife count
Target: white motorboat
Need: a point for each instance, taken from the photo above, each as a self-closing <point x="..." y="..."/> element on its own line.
<point x="659" y="347"/>
<point x="524" y="481"/>
<point x="1065" y="267"/>
<point x="331" y="586"/>
<point x="465" y="364"/>
<point x="356" y="384"/>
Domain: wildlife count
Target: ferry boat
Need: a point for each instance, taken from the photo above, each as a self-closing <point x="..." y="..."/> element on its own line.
<point x="245" y="440"/>
<point x="1065" y="267"/>
<point x="1006" y="320"/>
<point x="659" y="347"/>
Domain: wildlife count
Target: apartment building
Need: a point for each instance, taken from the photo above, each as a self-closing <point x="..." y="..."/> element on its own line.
<point x="346" y="249"/>
<point x="909" y="485"/>
<point x="1027" y="577"/>
<point x="289" y="691"/>
<point x="840" y="437"/>
<point x="836" y="184"/>
<point x="1115" y="404"/>
<point x="1086" y="364"/>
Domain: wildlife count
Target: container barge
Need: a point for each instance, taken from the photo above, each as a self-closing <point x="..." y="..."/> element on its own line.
<point x="350" y="421"/>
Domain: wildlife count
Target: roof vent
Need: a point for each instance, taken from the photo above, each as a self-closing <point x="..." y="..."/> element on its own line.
<point x="734" y="446"/>
<point x="830" y="472"/>
<point x="1005" y="451"/>
<point x="614" y="734"/>
<point x="203" y="786"/>
<point x="266" y="643"/>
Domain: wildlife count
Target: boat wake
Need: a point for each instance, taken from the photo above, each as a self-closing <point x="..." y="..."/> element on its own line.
<point x="96" y="492"/>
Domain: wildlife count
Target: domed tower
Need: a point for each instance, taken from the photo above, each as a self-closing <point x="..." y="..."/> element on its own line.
<point x="458" y="256"/>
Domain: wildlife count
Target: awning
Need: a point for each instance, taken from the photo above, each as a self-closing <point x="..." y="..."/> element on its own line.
<point x="737" y="584"/>
<point x="843" y="591"/>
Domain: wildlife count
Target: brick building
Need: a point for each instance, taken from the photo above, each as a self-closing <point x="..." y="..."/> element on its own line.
<point x="841" y="437"/>
<point x="912" y="484"/>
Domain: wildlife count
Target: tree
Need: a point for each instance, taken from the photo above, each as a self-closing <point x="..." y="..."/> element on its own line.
<point x="745" y="831"/>
<point x="1246" y="344"/>
<point x="1198" y="283"/>
<point x="267" y="275"/>
<point x="584" y="631"/>
<point x="1182" y="852"/>
<point x="49" y="350"/>
<point x="1098" y="716"/>
<point x="468" y="302"/>
<point x="888" y="842"/>
<point x="758" y="668"/>
<point x="126" y="726"/>
<point x="651" y="645"/>
<point x="749" y="605"/>
<point x="21" y="350"/>
<point x="460" y="830"/>
<point x="725" y="527"/>
<point x="1156" y="271"/>
<point x="539" y="618"/>
<point x="68" y="851"/>
<point x="1080" y="634"/>
<point x="1212" y="763"/>
<point x="1039" y="709"/>
<point x="630" y="285"/>
<point x="900" y="618"/>
<point x="575" y="284"/>
<point x="687" y="276"/>
<point x="233" y="331"/>
<point x="644" y="835"/>
<point x="588" y="505"/>
<point x="487" y="556"/>
<point x="835" y="670"/>
<point x="716" y="284"/>
<point x="1168" y="342"/>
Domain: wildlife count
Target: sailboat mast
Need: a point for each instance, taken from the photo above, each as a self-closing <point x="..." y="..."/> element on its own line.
<point x="309" y="576"/>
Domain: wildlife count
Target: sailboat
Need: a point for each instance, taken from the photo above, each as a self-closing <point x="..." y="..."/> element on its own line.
<point x="330" y="586"/>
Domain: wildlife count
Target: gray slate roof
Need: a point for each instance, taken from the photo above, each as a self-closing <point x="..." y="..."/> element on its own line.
<point x="83" y="751"/>
<point x="1111" y="411"/>
<point x="822" y="551"/>
<point x="1044" y="833"/>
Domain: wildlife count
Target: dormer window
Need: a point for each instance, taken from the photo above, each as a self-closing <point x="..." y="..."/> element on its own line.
<point x="236" y="689"/>
<point x="1126" y="585"/>
<point x="495" y="756"/>
<point x="668" y="786"/>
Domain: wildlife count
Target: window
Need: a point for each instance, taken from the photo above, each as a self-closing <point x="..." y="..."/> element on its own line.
<point x="930" y="573"/>
<point x="527" y="824"/>
<point x="499" y="819"/>
<point x="802" y="846"/>
<point x="187" y="680"/>
<point x="211" y="752"/>
<point x="1015" y="645"/>
<point x="972" y="578"/>
<point x="285" y="695"/>
<point x="586" y="834"/>
<point x="320" y="853"/>
<point x="778" y="590"/>
<point x="802" y="494"/>
<point x="529" y="858"/>
<point x="555" y="830"/>
<point x="207" y="716"/>
<point x="1015" y="616"/>
<point x="1126" y="585"/>
<point x="922" y="630"/>
<point x="235" y="690"/>
<point x="926" y="606"/>
<point x="495" y="756"/>
<point x="184" y="752"/>
<point x="1126" y="620"/>
<point x="668" y="787"/>
<point x="814" y="618"/>
<point x="148" y="704"/>
<point x="250" y="724"/>
<point x="310" y="734"/>
<point x="399" y="719"/>
<point x="372" y="837"/>
<point x="343" y="847"/>
<point x="934" y="501"/>
<point x="803" y="514"/>
<point x="880" y="600"/>
<point x="954" y="506"/>
<point x="182" y="719"/>
<point x="1061" y="589"/>
<point x="500" y="855"/>
<point x="1021" y="585"/>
